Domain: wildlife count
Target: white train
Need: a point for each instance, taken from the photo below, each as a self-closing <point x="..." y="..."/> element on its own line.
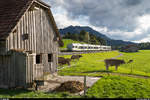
<point x="87" y="47"/>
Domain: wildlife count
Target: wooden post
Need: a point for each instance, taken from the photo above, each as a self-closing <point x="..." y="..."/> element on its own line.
<point x="84" y="85"/>
<point x="131" y="68"/>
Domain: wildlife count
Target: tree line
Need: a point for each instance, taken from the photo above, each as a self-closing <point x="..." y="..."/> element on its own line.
<point x="86" y="37"/>
<point x="144" y="46"/>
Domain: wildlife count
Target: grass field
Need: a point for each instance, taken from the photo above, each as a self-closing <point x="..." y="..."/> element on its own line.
<point x="88" y="63"/>
<point x="120" y="87"/>
<point x="140" y="65"/>
<point x="4" y="93"/>
<point x="115" y="86"/>
<point x="94" y="63"/>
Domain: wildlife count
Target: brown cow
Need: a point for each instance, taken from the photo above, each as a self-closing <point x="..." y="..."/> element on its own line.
<point x="68" y="59"/>
<point x="62" y="61"/>
<point x="113" y="62"/>
<point x="76" y="57"/>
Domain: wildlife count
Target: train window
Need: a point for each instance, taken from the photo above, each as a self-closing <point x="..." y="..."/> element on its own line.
<point x="81" y="47"/>
<point x="74" y="46"/>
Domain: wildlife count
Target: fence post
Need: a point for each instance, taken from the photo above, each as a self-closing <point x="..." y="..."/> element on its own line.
<point x="84" y="85"/>
<point x="131" y="68"/>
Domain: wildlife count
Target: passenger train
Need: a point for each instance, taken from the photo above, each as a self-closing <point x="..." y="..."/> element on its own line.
<point x="87" y="47"/>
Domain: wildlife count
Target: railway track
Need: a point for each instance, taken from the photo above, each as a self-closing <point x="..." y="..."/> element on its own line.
<point x="83" y="52"/>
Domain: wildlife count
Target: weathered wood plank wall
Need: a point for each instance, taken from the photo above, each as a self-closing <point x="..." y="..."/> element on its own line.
<point x="19" y="69"/>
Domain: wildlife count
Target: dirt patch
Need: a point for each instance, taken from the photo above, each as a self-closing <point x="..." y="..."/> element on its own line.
<point x="52" y="82"/>
<point x="70" y="86"/>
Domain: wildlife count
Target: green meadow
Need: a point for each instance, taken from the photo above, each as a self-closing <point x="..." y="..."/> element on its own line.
<point x="120" y="87"/>
<point x="94" y="62"/>
<point x="4" y="93"/>
<point x="113" y="84"/>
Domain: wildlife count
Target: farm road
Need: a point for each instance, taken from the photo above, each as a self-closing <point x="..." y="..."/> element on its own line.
<point x="122" y="74"/>
<point x="66" y="66"/>
<point x="117" y="56"/>
<point x="114" y="57"/>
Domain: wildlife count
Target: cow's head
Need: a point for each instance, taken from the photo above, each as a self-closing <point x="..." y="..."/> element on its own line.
<point x="123" y="62"/>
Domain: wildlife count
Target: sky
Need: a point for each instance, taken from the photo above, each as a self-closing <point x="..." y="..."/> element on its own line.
<point x="127" y="20"/>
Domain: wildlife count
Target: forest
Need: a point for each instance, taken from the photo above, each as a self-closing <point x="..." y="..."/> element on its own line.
<point x="86" y="37"/>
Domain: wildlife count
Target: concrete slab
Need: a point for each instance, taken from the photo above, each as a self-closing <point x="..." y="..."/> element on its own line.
<point x="52" y="82"/>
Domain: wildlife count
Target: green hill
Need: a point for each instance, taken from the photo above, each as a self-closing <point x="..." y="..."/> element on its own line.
<point x="68" y="41"/>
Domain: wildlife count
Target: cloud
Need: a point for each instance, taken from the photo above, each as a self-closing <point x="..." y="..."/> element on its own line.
<point x="132" y="2"/>
<point x="118" y="19"/>
<point x="63" y="20"/>
<point x="146" y="39"/>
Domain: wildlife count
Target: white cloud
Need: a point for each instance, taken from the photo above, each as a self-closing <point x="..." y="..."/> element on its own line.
<point x="143" y="24"/>
<point x="147" y="39"/>
<point x="121" y="20"/>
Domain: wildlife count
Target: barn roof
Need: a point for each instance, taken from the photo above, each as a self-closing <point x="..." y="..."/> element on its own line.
<point x="131" y="45"/>
<point x="11" y="12"/>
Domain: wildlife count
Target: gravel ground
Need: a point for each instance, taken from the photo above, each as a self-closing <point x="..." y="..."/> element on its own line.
<point x="52" y="82"/>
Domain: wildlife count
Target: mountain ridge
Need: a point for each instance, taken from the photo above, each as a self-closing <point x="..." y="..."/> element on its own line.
<point x="77" y="29"/>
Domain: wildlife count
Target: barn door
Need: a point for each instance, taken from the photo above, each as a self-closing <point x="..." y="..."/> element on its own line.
<point x="39" y="72"/>
<point x="4" y="71"/>
<point x="38" y="68"/>
<point x="19" y="68"/>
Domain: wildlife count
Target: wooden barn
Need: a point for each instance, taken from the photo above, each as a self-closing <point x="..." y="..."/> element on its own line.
<point x="29" y="42"/>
